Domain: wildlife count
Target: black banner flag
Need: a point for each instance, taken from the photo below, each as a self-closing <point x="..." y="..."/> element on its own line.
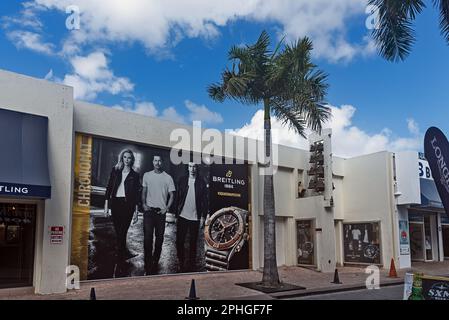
<point x="436" y="148"/>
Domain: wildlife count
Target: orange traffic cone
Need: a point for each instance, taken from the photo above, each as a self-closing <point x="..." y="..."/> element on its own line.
<point x="393" y="273"/>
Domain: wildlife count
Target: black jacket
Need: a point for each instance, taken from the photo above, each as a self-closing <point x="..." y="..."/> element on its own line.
<point x="132" y="186"/>
<point x="200" y="196"/>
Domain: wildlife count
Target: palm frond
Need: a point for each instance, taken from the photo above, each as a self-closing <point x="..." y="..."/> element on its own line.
<point x="235" y="84"/>
<point x="278" y="47"/>
<point x="316" y="114"/>
<point x="289" y="117"/>
<point x="239" y="53"/>
<point x="261" y="47"/>
<point x="216" y="92"/>
<point x="316" y="81"/>
<point x="291" y="66"/>
<point x="443" y="6"/>
<point x="395" y="36"/>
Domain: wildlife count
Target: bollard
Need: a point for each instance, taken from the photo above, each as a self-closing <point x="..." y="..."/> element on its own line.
<point x="93" y="296"/>
<point x="336" y="278"/>
<point x="192" y="293"/>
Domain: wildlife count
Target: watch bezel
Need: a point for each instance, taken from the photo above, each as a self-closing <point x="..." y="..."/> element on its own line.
<point x="229" y="244"/>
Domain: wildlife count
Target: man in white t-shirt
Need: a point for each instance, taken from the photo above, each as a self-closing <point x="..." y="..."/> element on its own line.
<point x="157" y="196"/>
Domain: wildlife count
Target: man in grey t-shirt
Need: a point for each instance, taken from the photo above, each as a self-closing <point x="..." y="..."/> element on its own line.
<point x="157" y="197"/>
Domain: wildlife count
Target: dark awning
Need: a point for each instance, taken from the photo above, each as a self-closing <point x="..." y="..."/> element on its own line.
<point x="429" y="194"/>
<point x="23" y="160"/>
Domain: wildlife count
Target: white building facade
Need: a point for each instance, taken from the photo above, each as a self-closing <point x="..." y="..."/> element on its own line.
<point x="330" y="211"/>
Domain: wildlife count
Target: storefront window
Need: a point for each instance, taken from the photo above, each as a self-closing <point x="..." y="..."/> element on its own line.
<point x="362" y="243"/>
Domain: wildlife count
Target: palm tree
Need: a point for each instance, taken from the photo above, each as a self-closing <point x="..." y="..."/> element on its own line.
<point x="394" y="35"/>
<point x="292" y="90"/>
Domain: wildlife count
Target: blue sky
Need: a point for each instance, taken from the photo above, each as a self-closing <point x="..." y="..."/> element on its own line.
<point x="138" y="55"/>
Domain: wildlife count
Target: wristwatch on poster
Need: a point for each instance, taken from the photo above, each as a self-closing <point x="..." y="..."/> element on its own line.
<point x="225" y="232"/>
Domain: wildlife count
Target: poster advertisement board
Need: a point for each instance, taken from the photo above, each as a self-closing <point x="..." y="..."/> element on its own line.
<point x="362" y="243"/>
<point x="404" y="240"/>
<point x="137" y="213"/>
<point x="305" y="242"/>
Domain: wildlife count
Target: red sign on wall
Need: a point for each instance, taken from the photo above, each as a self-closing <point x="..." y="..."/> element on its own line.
<point x="56" y="234"/>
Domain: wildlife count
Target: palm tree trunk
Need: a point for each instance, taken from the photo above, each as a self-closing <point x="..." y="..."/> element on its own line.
<point x="270" y="270"/>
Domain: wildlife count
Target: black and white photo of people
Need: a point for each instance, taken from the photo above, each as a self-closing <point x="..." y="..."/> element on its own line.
<point x="147" y="215"/>
<point x="361" y="243"/>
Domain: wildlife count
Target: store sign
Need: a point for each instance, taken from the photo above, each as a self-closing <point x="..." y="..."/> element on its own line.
<point x="24" y="168"/>
<point x="362" y="243"/>
<point x="436" y="149"/>
<point x="13" y="189"/>
<point x="56" y="235"/>
<point x="435" y="288"/>
<point x="424" y="170"/>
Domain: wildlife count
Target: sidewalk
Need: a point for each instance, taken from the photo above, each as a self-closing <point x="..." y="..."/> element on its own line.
<point x="219" y="286"/>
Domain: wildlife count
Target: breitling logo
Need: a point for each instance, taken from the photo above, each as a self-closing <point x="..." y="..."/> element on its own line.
<point x="229" y="174"/>
<point x="228" y="180"/>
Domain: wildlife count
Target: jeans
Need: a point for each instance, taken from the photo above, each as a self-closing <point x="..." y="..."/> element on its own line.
<point x="183" y="228"/>
<point x="122" y="213"/>
<point x="153" y="224"/>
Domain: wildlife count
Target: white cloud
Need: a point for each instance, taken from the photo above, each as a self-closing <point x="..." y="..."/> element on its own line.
<point x="28" y="17"/>
<point x="49" y="76"/>
<point x="91" y="76"/>
<point x="30" y="40"/>
<point x="196" y="112"/>
<point x="161" y="24"/>
<point x="347" y="140"/>
<point x="280" y="134"/>
<point x="413" y="127"/>
<point x="149" y="109"/>
<point x="202" y="113"/>
<point x="171" y="114"/>
<point x="144" y="108"/>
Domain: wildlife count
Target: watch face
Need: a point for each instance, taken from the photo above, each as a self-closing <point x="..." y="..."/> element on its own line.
<point x="224" y="229"/>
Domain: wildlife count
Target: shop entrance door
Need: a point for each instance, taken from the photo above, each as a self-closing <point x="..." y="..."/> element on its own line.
<point x="429" y="235"/>
<point x="17" y="230"/>
<point x="417" y="241"/>
<point x="305" y="234"/>
<point x="445" y="231"/>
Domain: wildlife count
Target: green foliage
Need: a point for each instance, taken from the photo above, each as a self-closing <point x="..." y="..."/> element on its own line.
<point x="396" y="36"/>
<point x="285" y="78"/>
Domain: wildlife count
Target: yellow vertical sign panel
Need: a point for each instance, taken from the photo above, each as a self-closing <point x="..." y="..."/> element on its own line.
<point x="81" y="203"/>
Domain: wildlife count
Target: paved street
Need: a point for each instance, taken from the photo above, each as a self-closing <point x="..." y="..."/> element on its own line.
<point x="385" y="293"/>
<point x="224" y="285"/>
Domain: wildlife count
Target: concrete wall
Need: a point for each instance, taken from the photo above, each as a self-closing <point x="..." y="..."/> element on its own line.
<point x="313" y="208"/>
<point x="39" y="97"/>
<point x="407" y="175"/>
<point x="368" y="196"/>
<point x="363" y="192"/>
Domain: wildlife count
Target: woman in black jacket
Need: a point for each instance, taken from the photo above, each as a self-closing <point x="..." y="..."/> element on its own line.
<point x="122" y="197"/>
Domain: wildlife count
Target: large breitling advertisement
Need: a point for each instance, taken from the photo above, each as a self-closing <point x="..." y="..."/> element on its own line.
<point x="137" y="213"/>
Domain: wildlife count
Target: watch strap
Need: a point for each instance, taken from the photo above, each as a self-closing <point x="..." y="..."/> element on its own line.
<point x="217" y="260"/>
